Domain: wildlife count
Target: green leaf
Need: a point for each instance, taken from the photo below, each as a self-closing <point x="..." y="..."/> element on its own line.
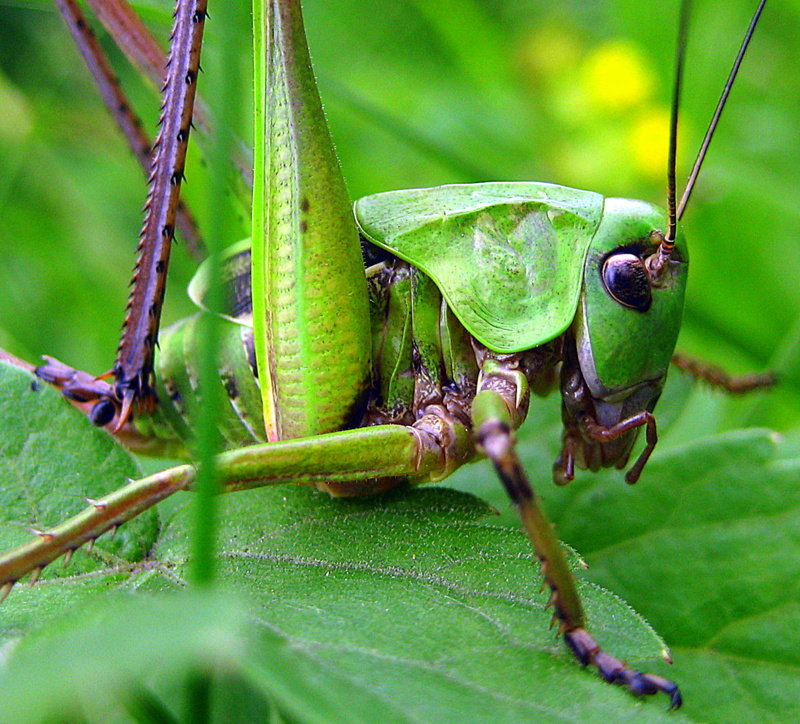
<point x="413" y="591"/>
<point x="418" y="591"/>
<point x="709" y="549"/>
<point x="705" y="545"/>
<point x="51" y="459"/>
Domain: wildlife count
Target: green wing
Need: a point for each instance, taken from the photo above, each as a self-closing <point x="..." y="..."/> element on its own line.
<point x="507" y="257"/>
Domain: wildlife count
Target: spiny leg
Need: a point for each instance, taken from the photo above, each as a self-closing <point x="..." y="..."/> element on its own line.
<point x="133" y="39"/>
<point x="164" y="210"/>
<point x="101" y="516"/>
<point x="502" y="392"/>
<point x="134" y="364"/>
<point x="121" y="110"/>
<point x="144" y="52"/>
<point x="352" y="462"/>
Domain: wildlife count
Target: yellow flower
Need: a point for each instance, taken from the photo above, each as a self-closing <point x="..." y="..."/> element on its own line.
<point x="615" y="77"/>
<point x="648" y="141"/>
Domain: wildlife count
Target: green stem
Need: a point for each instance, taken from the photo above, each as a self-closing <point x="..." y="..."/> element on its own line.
<point x="224" y="74"/>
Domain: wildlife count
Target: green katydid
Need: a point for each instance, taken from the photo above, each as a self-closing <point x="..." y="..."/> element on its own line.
<point x="453" y="362"/>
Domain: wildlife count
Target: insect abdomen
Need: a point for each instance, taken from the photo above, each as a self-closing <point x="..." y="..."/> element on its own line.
<point x="240" y="422"/>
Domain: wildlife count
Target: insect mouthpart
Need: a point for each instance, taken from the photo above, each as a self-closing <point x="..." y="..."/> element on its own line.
<point x="600" y="432"/>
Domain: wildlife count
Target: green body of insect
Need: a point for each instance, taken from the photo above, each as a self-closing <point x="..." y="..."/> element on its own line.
<point x="480" y="292"/>
<point x="477" y="271"/>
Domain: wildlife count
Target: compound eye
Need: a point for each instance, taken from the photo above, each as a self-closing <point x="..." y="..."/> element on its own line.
<point x="626" y="280"/>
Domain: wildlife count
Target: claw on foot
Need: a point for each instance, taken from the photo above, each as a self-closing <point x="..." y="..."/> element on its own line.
<point x="93" y="395"/>
<point x="5" y="589"/>
<point x="587" y="651"/>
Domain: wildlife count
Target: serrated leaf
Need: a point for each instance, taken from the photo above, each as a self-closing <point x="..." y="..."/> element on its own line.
<point x="417" y="583"/>
<point x="413" y="600"/>
<point x="418" y="591"/>
<point x="706" y="545"/>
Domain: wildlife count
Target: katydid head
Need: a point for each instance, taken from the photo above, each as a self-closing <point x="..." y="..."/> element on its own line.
<point x="620" y="345"/>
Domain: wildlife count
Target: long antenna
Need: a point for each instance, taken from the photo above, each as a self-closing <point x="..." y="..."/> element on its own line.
<point x="680" y="55"/>
<point x="657" y="262"/>
<point x="687" y="192"/>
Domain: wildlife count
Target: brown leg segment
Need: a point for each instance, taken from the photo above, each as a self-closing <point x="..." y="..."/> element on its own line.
<point x="93" y="394"/>
<point x="121" y="110"/>
<point x="564" y="466"/>
<point x="134" y="364"/>
<point x="607" y="434"/>
<point x="133" y="367"/>
<point x="615" y="671"/>
<point x="717" y="377"/>
<point x="144" y="52"/>
<point x="502" y="390"/>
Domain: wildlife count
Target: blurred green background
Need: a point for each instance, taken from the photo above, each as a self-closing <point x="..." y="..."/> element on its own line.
<point x="422" y="93"/>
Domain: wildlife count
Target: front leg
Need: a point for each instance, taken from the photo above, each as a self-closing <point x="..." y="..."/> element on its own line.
<point x="497" y="410"/>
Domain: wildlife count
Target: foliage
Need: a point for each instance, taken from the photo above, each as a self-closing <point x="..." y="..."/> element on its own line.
<point x="397" y="609"/>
